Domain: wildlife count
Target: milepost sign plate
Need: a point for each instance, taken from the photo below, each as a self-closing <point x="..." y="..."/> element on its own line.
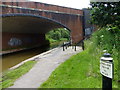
<point x="106" y="68"/>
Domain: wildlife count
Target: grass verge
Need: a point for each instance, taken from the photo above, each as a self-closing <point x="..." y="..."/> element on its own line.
<point x="83" y="70"/>
<point x="80" y="71"/>
<point x="10" y="76"/>
<point x="75" y="73"/>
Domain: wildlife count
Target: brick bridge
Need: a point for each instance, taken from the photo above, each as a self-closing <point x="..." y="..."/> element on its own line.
<point x="26" y="23"/>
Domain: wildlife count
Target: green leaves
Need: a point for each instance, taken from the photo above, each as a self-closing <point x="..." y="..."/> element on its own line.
<point x="105" y="13"/>
<point x="57" y="34"/>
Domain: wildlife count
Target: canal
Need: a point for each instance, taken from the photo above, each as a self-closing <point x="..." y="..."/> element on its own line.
<point x="10" y="60"/>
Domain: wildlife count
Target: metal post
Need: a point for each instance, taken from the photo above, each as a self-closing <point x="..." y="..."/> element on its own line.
<point x="106" y="69"/>
<point x="66" y="46"/>
<point x="63" y="47"/>
<point x="75" y="47"/>
<point x="83" y="45"/>
<point x="106" y="83"/>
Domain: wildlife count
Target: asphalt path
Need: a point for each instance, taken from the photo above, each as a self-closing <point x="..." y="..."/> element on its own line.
<point x="46" y="64"/>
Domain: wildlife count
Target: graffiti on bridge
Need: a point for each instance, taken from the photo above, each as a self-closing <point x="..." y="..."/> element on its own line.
<point x="14" y="42"/>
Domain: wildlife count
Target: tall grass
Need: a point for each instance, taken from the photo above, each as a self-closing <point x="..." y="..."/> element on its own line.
<point x="104" y="39"/>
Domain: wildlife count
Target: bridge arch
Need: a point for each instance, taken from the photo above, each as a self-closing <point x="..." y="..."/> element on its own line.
<point x="24" y="29"/>
<point x="33" y="21"/>
<point x="55" y="17"/>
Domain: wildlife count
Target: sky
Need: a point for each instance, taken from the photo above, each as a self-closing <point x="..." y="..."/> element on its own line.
<point x="78" y="4"/>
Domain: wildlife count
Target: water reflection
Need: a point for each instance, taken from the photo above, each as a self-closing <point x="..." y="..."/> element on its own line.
<point x="10" y="60"/>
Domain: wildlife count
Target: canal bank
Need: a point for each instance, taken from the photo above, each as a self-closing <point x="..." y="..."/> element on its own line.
<point x="46" y="63"/>
<point x="11" y="59"/>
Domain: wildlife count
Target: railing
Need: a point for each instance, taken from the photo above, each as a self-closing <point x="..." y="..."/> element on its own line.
<point x="67" y="44"/>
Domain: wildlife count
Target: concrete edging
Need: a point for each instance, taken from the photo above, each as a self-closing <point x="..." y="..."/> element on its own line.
<point x="34" y="58"/>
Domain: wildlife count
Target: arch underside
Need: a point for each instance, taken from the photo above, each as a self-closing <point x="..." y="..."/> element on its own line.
<point x="26" y="30"/>
<point x="27" y="23"/>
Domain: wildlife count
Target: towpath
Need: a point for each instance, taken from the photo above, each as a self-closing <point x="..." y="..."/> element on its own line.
<point x="47" y="62"/>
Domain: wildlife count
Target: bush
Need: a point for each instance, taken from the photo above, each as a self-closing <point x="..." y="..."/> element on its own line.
<point x="106" y="39"/>
<point x="57" y="34"/>
<point x="105" y="13"/>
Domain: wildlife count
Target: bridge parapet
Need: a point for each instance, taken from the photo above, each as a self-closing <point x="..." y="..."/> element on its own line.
<point x="43" y="6"/>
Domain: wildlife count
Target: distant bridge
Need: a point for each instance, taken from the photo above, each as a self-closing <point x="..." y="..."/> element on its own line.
<point x="26" y="23"/>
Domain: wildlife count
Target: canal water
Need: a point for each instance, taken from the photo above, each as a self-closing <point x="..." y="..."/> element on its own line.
<point x="10" y="60"/>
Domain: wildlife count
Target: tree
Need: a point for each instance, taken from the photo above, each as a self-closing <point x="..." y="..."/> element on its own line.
<point x="57" y="34"/>
<point x="105" y="13"/>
